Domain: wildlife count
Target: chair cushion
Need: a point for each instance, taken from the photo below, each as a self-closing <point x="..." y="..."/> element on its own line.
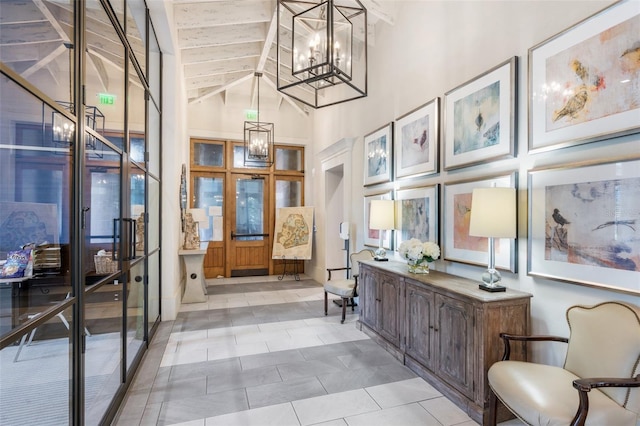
<point x="544" y="395"/>
<point x="342" y="288"/>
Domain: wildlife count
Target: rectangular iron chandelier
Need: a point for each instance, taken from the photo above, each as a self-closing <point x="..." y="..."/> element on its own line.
<point x="258" y="139"/>
<point x="322" y="51"/>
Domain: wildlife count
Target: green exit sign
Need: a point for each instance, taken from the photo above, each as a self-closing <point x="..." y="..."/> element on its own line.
<point x="107" y="99"/>
<point x="250" y="114"/>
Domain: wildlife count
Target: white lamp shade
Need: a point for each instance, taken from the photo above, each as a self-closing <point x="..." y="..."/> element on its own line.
<point x="381" y="214"/>
<point x="493" y="213"/>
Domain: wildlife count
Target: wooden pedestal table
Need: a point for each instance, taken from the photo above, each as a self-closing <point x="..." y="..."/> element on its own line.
<point x="195" y="287"/>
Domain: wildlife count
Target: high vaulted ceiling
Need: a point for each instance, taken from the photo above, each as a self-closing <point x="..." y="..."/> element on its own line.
<point x="223" y="43"/>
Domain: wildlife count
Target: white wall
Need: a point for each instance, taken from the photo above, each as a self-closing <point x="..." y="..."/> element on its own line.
<point x="433" y="47"/>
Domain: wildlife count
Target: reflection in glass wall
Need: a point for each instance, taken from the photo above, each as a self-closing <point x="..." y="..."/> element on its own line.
<point x="153" y="225"/>
<point x="35" y="200"/>
<point x="35" y="382"/>
<point x="105" y="79"/>
<point x="37" y="43"/>
<point x="136" y="118"/>
<point x="136" y="31"/>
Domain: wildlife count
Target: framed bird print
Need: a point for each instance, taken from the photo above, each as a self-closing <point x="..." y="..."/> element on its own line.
<point x="416" y="140"/>
<point x="480" y="118"/>
<point x="584" y="225"/>
<point x="417" y="214"/>
<point x="458" y="245"/>
<point x="584" y="82"/>
<point x="377" y="155"/>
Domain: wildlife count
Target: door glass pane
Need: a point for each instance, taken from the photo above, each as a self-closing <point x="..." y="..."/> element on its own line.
<point x="136" y="30"/>
<point x="238" y="157"/>
<point x="153" y="231"/>
<point x="154" y="140"/>
<point x="136" y="119"/>
<point x="154" y="289"/>
<point x="103" y="314"/>
<point x="102" y="201"/>
<point x="41" y="368"/>
<point x="288" y="193"/>
<point x="105" y="78"/>
<point x="135" y="310"/>
<point x="137" y="196"/>
<point x="249" y="208"/>
<point x="153" y="74"/>
<point x="209" y="196"/>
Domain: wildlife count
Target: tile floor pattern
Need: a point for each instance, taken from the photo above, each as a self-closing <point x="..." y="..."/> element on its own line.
<point x="263" y="353"/>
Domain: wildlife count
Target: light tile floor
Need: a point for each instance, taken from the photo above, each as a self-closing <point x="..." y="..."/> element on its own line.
<point x="263" y="353"/>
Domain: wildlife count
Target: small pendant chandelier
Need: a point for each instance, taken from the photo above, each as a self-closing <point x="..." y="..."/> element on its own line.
<point x="258" y="139"/>
<point x="322" y="51"/>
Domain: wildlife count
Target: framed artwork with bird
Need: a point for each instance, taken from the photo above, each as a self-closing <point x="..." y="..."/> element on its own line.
<point x="417" y="140"/>
<point x="584" y="224"/>
<point x="458" y="245"/>
<point x="378" y="160"/>
<point x="584" y="82"/>
<point x="480" y="117"/>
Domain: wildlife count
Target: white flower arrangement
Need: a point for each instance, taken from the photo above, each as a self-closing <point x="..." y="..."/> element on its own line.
<point x="419" y="252"/>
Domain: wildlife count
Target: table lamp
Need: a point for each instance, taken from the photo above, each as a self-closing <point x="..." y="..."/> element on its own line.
<point x="493" y="215"/>
<point x="382" y="218"/>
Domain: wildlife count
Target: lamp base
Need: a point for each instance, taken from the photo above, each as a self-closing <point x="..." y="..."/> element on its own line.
<point x="381" y="259"/>
<point x="492" y="288"/>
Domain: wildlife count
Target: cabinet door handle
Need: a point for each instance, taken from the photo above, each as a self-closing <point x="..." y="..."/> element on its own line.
<point x="431" y="327"/>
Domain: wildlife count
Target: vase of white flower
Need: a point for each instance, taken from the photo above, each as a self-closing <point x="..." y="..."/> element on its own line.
<point x="418" y="254"/>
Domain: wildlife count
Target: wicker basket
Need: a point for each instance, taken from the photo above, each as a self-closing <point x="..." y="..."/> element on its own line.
<point x="105" y="264"/>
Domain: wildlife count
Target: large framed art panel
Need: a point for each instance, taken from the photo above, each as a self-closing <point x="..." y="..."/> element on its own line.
<point x="480" y="117"/>
<point x="416" y="140"/>
<point x="417" y="214"/>
<point x="584" y="225"/>
<point x="458" y="245"/>
<point x="584" y="83"/>
<point x="372" y="236"/>
<point x="378" y="148"/>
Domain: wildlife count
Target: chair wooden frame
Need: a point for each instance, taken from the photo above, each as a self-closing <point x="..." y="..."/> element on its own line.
<point x="348" y="299"/>
<point x="582" y="385"/>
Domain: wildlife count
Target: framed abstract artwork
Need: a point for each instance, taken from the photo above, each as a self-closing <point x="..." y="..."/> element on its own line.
<point x="584" y="226"/>
<point x="458" y="245"/>
<point x="417" y="214"/>
<point x="378" y="147"/>
<point x="372" y="236"/>
<point x="583" y="82"/>
<point x="416" y="141"/>
<point x="480" y="117"/>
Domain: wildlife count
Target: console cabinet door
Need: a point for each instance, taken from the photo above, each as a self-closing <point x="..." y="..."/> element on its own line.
<point x="388" y="312"/>
<point x="419" y="323"/>
<point x="368" y="291"/>
<point x="454" y="342"/>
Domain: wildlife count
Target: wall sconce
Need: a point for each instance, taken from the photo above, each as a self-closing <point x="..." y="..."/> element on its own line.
<point x="322" y="51"/>
<point x="382" y="218"/>
<point x="493" y="215"/>
<point x="258" y="139"/>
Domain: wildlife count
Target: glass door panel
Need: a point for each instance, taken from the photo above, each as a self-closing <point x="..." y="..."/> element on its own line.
<point x="103" y="353"/>
<point x="249" y="242"/>
<point x="208" y="194"/>
<point x="153" y="289"/>
<point x="135" y="311"/>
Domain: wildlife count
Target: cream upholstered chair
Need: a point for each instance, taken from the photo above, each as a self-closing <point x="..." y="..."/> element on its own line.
<point x="347" y="288"/>
<point x="599" y="383"/>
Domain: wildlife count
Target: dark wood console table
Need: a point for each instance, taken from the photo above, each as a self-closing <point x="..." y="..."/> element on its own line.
<point x="443" y="328"/>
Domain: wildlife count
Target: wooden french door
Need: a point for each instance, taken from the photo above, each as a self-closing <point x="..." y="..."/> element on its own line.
<point x="249" y="240"/>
